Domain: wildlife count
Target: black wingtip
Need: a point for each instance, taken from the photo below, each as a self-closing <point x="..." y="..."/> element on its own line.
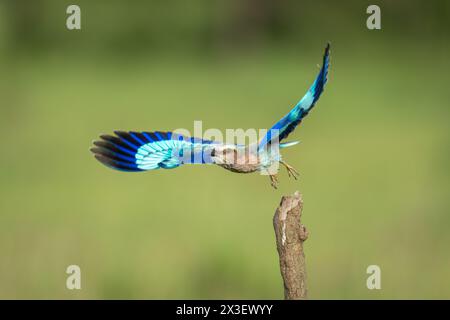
<point x="106" y="161"/>
<point x="102" y="151"/>
<point x="120" y="132"/>
<point x="115" y="164"/>
<point x="106" y="137"/>
<point x="327" y="48"/>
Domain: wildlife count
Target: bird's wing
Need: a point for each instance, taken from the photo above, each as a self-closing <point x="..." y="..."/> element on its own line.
<point x="287" y="124"/>
<point x="141" y="151"/>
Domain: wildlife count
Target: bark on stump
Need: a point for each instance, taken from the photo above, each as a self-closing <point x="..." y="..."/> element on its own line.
<point x="290" y="235"/>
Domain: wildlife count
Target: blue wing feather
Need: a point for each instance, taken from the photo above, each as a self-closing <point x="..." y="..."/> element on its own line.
<point x="141" y="151"/>
<point x="289" y="122"/>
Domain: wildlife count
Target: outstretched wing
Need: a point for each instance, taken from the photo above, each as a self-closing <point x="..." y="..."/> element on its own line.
<point x="141" y="151"/>
<point x="287" y="124"/>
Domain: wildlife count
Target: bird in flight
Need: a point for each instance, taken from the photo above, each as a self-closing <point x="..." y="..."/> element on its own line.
<point x="142" y="151"/>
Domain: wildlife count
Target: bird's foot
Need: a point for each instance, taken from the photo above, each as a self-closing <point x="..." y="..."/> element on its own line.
<point x="291" y="170"/>
<point x="273" y="181"/>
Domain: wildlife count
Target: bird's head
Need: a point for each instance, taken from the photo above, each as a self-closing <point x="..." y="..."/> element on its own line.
<point x="225" y="155"/>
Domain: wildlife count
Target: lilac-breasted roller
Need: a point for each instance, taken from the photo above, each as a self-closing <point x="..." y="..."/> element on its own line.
<point x="143" y="151"/>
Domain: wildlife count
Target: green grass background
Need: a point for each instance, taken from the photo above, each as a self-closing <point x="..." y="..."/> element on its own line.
<point x="373" y="159"/>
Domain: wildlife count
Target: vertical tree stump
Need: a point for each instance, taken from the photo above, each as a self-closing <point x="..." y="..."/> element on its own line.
<point x="290" y="235"/>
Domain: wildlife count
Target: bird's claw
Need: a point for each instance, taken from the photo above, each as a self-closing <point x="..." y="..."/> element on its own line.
<point x="273" y="181"/>
<point x="291" y="171"/>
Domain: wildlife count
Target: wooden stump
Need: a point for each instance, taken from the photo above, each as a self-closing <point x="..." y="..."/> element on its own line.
<point x="290" y="235"/>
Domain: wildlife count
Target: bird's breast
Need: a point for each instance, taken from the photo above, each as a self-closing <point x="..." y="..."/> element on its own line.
<point x="243" y="162"/>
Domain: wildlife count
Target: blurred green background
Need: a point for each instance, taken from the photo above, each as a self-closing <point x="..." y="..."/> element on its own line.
<point x="374" y="158"/>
